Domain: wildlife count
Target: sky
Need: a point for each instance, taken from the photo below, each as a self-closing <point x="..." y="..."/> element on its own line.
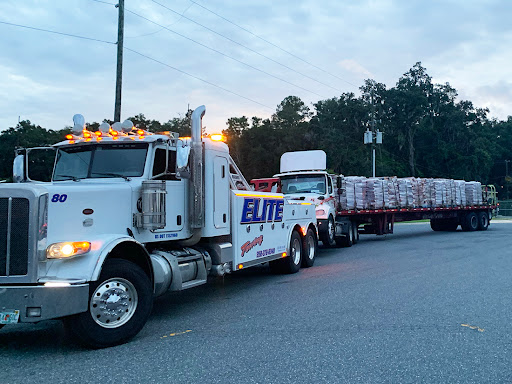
<point x="242" y="58"/>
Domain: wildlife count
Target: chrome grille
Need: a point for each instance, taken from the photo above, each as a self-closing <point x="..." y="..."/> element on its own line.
<point x="14" y="236"/>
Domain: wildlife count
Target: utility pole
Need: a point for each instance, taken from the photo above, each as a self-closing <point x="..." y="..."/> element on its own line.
<point x="373" y="137"/>
<point x="119" y="72"/>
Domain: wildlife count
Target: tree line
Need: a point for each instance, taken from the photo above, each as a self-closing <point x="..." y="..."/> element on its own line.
<point x="427" y="132"/>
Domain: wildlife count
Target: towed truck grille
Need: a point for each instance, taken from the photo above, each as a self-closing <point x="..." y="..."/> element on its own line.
<point x="14" y="236"/>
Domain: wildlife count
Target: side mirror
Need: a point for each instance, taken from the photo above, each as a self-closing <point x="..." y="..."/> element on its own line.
<point x="18" y="169"/>
<point x="338" y="181"/>
<point x="182" y="157"/>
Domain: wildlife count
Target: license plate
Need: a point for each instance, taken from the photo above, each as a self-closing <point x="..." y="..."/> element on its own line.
<point x="9" y="317"/>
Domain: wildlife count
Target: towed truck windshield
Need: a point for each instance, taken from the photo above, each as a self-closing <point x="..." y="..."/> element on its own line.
<point x="100" y="161"/>
<point x="303" y="184"/>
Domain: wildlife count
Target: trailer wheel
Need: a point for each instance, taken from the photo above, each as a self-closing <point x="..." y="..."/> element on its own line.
<point x="470" y="222"/>
<point x="327" y="237"/>
<point x="2" y="325"/>
<point x="291" y="263"/>
<point x="120" y="303"/>
<point x="483" y="221"/>
<point x="310" y="247"/>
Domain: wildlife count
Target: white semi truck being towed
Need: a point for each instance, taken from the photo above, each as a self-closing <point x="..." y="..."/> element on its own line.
<point x="128" y="216"/>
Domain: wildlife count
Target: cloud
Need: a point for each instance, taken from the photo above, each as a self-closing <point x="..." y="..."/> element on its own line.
<point x="354" y="67"/>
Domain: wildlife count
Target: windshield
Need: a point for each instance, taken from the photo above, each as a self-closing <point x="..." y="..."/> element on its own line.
<point x="98" y="161"/>
<point x="303" y="184"/>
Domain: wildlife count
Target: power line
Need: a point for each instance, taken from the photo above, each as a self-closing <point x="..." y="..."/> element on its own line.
<point x="223" y="54"/>
<point x="57" y="33"/>
<point x="182" y="15"/>
<point x="196" y="77"/>
<point x="274" y="45"/>
<point x="246" y="47"/>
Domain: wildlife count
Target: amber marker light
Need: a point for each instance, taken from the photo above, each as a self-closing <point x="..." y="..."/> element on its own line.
<point x="71" y="141"/>
<point x="141" y="137"/>
<point x="304" y="230"/>
<point x="217" y="137"/>
<point x="283" y="254"/>
<point x="97" y="133"/>
<point x="240" y="266"/>
<point x="87" y="135"/>
<point x="140" y="132"/>
<point x="99" y="138"/>
<point x="69" y="137"/>
<point x="114" y="133"/>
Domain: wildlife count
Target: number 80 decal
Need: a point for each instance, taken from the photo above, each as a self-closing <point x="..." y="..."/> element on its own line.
<point x="59" y="198"/>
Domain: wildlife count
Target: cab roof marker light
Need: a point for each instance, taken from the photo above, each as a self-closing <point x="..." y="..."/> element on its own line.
<point x="217" y="137"/>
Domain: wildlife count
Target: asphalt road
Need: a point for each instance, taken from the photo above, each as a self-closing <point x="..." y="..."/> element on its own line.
<point x="413" y="307"/>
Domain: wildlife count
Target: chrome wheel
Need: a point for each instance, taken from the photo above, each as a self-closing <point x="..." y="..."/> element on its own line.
<point x="113" y="303"/>
<point x="296" y="251"/>
<point x="311" y="247"/>
<point x="330" y="230"/>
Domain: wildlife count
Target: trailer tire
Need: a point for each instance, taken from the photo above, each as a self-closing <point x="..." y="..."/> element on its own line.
<point x="347" y="240"/>
<point x="470" y="222"/>
<point x="355" y="235"/>
<point x="435" y="224"/>
<point x="327" y="237"/>
<point x="292" y="262"/>
<point x="132" y="291"/>
<point x="309" y="249"/>
<point x="483" y="221"/>
<point x="2" y="325"/>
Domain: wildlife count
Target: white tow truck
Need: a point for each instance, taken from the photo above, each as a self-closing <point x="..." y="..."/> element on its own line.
<point x="129" y="215"/>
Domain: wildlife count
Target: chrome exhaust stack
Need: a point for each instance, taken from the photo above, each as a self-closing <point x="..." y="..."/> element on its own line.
<point x="197" y="171"/>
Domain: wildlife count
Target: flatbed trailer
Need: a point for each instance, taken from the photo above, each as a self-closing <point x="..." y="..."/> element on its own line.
<point x="381" y="221"/>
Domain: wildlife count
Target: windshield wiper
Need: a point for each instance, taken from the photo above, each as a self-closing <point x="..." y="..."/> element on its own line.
<point x="69" y="177"/>
<point x="112" y="174"/>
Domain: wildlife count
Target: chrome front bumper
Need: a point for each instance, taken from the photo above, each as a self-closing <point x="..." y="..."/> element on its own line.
<point x="53" y="302"/>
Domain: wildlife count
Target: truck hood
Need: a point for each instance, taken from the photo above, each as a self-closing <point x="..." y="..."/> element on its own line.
<point x="80" y="211"/>
<point x="306" y="197"/>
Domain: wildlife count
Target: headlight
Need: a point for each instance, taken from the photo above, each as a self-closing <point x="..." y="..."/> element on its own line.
<point x="320" y="212"/>
<point x="68" y="249"/>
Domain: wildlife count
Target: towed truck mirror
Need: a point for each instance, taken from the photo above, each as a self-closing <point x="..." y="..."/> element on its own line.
<point x="338" y="181"/>
<point x="182" y="157"/>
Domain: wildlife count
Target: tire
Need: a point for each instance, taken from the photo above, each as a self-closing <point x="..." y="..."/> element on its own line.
<point x="347" y="240"/>
<point x="470" y="222"/>
<point x="2" y="325"/>
<point x="101" y="326"/>
<point x="309" y="249"/>
<point x="292" y="262"/>
<point x="327" y="237"/>
<point x="435" y="224"/>
<point x="483" y="221"/>
<point x="355" y="235"/>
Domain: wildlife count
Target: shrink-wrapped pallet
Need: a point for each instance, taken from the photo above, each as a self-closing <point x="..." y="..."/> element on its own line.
<point x="473" y="193"/>
<point x="438" y="193"/>
<point x="391" y="197"/>
<point x="352" y="196"/>
<point x="374" y="193"/>
<point x="405" y="195"/>
<point x="460" y="192"/>
<point x="425" y="193"/>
